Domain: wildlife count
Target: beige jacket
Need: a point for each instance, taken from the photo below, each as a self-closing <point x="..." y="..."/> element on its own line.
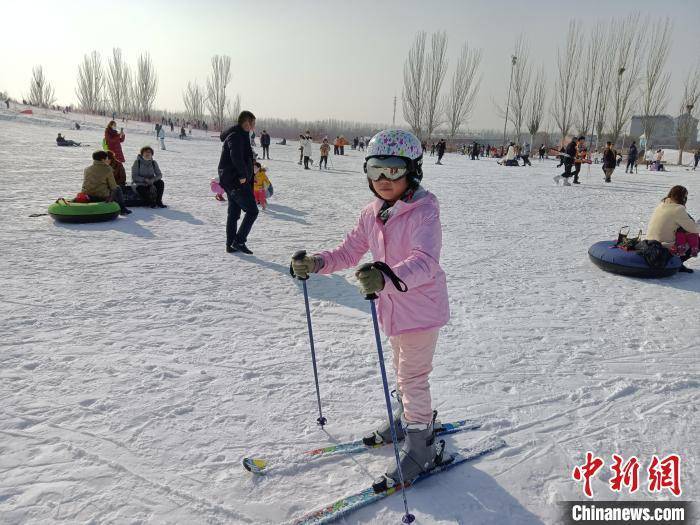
<point x="98" y="180"/>
<point x="666" y="219"/>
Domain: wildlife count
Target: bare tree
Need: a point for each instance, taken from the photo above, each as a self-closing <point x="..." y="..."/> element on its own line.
<point x="41" y="92"/>
<point x="687" y="122"/>
<point x="588" y="78"/>
<point x="118" y="82"/>
<point x="216" y="89"/>
<point x="435" y="71"/>
<point x="413" y="85"/>
<point x="535" y="104"/>
<point x="654" y="80"/>
<point x="522" y="76"/>
<point x="565" y="85"/>
<point x="193" y="97"/>
<point x="145" y="86"/>
<point x="459" y="102"/>
<point x="90" y="83"/>
<point x="628" y="64"/>
<point x="233" y="109"/>
<point x="604" y="81"/>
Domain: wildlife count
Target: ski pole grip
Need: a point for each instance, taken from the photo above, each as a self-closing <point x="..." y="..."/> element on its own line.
<point x="297" y="257"/>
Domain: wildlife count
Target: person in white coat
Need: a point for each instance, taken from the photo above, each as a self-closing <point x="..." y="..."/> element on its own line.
<point x="510" y="158"/>
<point x="307" y="145"/>
<point x="161" y="137"/>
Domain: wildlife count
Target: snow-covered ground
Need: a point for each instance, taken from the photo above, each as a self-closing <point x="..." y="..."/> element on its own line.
<point x="139" y="362"/>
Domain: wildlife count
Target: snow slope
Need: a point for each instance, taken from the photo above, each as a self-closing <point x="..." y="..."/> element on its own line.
<point x="139" y="362"/>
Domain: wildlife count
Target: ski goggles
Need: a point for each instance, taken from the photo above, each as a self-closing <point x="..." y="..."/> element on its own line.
<point x="389" y="167"/>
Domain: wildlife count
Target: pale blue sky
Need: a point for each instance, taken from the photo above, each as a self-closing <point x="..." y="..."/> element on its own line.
<point x="307" y="59"/>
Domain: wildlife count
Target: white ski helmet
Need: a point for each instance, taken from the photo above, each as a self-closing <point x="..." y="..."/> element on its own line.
<point x="401" y="144"/>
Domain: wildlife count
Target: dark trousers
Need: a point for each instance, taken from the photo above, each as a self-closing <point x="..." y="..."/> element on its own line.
<point x="324" y="162"/>
<point x="306" y="163"/>
<point x="567" y="169"/>
<point x="577" y="170"/>
<point x="240" y="199"/>
<point x="697" y="160"/>
<point x="301" y="155"/>
<point x="342" y="150"/>
<point x="630" y="165"/>
<point x="526" y="160"/>
<point x="117" y="196"/>
<point x="335" y="149"/>
<point x="152" y="194"/>
<point x="266" y="151"/>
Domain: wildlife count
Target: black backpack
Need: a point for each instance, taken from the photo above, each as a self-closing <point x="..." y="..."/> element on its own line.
<point x="654" y="253"/>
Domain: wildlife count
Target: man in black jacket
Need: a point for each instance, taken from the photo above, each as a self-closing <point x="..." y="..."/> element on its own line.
<point x="265" y="143"/>
<point x="568" y="159"/>
<point x="609" y="161"/>
<point x="631" y="157"/>
<point x="441" y="150"/>
<point x="236" y="177"/>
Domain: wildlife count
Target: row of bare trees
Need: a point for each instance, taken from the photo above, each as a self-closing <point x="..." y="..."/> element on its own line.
<point x="425" y="108"/>
<point x="117" y="88"/>
<point x="601" y="78"/>
<point x="214" y="97"/>
<point x="623" y="71"/>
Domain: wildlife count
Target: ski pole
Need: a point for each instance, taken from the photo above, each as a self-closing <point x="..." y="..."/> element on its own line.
<point x="408" y="517"/>
<point x="321" y="420"/>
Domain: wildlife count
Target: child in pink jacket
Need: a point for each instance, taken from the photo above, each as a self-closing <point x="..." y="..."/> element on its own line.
<point x="401" y="228"/>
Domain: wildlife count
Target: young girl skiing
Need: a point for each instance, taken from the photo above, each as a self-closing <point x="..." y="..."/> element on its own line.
<point x="401" y="228"/>
<point x="260" y="184"/>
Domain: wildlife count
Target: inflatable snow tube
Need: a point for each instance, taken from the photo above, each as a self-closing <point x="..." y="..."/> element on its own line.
<point x="64" y="211"/>
<point x="606" y="256"/>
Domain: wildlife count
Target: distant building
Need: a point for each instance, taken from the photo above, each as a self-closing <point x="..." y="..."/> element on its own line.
<point x="664" y="133"/>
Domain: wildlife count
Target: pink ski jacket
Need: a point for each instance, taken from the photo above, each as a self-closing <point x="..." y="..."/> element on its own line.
<point x="410" y="244"/>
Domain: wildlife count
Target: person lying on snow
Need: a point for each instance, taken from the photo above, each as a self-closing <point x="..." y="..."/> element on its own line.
<point x="99" y="183"/>
<point x="62" y="141"/>
<point x="673" y="227"/>
<point x="148" y="179"/>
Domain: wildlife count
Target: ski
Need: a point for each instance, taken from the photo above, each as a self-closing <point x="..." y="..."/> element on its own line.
<point x="259" y="466"/>
<point x="349" y="504"/>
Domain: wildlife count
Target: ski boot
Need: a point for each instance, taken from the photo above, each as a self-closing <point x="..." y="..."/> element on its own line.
<point x="383" y="434"/>
<point x="419" y="454"/>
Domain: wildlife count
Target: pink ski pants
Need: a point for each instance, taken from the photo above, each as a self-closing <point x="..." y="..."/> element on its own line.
<point x="413" y="362"/>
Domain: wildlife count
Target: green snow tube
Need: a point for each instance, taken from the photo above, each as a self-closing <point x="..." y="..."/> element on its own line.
<point x="64" y="211"/>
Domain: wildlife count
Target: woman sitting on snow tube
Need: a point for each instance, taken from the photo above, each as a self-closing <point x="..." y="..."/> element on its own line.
<point x="99" y="183"/>
<point x="511" y="158"/>
<point x="147" y="178"/>
<point x="671" y="225"/>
